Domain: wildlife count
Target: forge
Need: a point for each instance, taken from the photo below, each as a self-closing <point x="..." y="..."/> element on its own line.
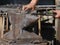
<point x="13" y="19"/>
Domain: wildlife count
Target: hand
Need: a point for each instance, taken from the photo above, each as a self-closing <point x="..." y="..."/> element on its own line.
<point x="58" y="13"/>
<point x="29" y="7"/>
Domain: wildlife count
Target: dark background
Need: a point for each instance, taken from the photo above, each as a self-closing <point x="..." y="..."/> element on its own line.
<point x="40" y="2"/>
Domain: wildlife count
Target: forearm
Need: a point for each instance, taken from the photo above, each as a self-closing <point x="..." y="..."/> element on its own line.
<point x="34" y="2"/>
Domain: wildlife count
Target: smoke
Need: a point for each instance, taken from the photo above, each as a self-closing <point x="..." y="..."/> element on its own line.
<point x="18" y="18"/>
<point x="22" y="19"/>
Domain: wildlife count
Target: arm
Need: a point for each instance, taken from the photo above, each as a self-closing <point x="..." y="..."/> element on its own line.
<point x="31" y="5"/>
<point x="33" y="2"/>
